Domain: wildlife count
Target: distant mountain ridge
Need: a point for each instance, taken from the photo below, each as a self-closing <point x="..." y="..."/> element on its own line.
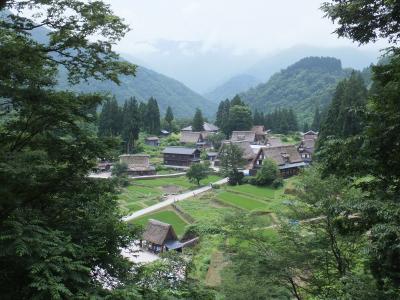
<point x="309" y="82"/>
<point x="146" y="84"/>
<point x="232" y="87"/>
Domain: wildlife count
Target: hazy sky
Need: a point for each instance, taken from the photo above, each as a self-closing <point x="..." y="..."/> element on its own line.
<point x="265" y="26"/>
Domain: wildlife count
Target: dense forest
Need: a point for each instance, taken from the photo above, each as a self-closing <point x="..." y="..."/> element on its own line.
<point x="302" y="86"/>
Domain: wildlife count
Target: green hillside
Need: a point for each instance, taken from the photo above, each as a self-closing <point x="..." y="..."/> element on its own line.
<point x="146" y="84"/>
<point x="232" y="87"/>
<point x="301" y="86"/>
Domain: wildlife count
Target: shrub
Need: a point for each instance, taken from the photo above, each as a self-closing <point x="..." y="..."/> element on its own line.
<point x="216" y="186"/>
<point x="285" y="139"/>
<point x="119" y="169"/>
<point x="278" y="182"/>
<point x="268" y="173"/>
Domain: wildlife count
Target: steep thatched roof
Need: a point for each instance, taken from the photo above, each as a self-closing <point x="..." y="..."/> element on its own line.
<point x="281" y="155"/>
<point x="249" y="136"/>
<point x="274" y="142"/>
<point x="136" y="162"/>
<point x="308" y="145"/>
<point x="189" y="137"/>
<point x="245" y="146"/>
<point x="159" y="233"/>
<point x="206" y="126"/>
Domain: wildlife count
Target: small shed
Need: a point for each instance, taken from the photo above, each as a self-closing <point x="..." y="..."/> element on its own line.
<point x="152" y="141"/>
<point x="160" y="236"/>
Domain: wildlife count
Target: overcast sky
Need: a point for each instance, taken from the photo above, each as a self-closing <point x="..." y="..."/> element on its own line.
<point x="265" y="26"/>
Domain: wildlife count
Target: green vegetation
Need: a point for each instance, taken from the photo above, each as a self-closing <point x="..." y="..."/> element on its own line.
<point x="241" y="201"/>
<point x="166" y="216"/>
<point x="302" y="86"/>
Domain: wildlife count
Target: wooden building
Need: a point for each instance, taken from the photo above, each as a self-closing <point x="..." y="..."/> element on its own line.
<point x="240" y="136"/>
<point x="208" y="127"/>
<point x="152" y="141"/>
<point x="260" y="134"/>
<point x="138" y="164"/>
<point x="159" y="237"/>
<point x="248" y="154"/>
<point x="286" y="157"/>
<point x="306" y="150"/>
<point x="192" y="138"/>
<point x="181" y="156"/>
<point x="310" y="135"/>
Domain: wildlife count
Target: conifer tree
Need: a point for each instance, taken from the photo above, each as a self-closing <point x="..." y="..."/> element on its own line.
<point x="152" y="121"/>
<point x="198" y="121"/>
<point x="317" y="120"/>
<point x="169" y="117"/>
<point x="130" y="124"/>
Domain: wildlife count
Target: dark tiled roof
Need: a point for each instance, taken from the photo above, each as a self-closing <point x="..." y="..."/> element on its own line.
<point x="179" y="150"/>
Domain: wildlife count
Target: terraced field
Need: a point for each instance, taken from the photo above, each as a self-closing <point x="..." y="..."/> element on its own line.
<point x="146" y="192"/>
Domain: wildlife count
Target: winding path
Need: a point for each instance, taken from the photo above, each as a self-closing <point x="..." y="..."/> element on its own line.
<point x="170" y="200"/>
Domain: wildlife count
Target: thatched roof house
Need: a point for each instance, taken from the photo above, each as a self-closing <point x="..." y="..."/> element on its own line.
<point x="206" y="126"/>
<point x="190" y="137"/>
<point x="274" y="142"/>
<point x="138" y="164"/>
<point x="245" y="146"/>
<point x="309" y="135"/>
<point x="286" y="157"/>
<point x="260" y="134"/>
<point x="248" y="136"/>
<point x="306" y="150"/>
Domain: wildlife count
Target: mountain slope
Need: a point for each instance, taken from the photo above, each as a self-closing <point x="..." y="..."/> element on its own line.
<point x="355" y="58"/>
<point x="146" y="84"/>
<point x="308" y="82"/>
<point x="232" y="87"/>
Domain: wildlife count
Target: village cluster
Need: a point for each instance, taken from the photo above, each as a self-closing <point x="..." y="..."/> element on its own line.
<point x="256" y="144"/>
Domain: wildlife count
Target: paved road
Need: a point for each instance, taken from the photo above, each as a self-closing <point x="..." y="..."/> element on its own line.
<point x="170" y="200"/>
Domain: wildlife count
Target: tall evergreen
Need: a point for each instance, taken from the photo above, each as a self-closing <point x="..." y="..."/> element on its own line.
<point x="169" y="117"/>
<point x="143" y="115"/>
<point x="130" y="124"/>
<point x="110" y="120"/>
<point x="152" y="121"/>
<point x="237" y="101"/>
<point x="344" y="116"/>
<point x="316" y="124"/>
<point x="198" y="121"/>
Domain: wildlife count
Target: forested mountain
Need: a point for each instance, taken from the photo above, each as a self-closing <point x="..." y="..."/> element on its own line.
<point x="303" y="85"/>
<point x="146" y="84"/>
<point x="232" y="87"/>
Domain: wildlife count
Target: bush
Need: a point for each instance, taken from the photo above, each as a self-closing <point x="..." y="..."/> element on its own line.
<point x="278" y="182"/>
<point x="285" y="139"/>
<point x="216" y="186"/>
<point x="119" y="169"/>
<point x="235" y="177"/>
<point x="268" y="173"/>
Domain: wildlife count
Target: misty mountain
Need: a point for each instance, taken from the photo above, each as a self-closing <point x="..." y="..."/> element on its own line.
<point x="350" y="57"/>
<point x="146" y="84"/>
<point x="232" y="87"/>
<point x="303" y="85"/>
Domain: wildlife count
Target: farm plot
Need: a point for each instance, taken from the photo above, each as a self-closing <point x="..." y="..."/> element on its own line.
<point x="241" y="201"/>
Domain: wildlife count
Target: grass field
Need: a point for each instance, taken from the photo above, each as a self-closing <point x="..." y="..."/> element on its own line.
<point x="145" y="192"/>
<point x="241" y="201"/>
<point x="167" y="216"/>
